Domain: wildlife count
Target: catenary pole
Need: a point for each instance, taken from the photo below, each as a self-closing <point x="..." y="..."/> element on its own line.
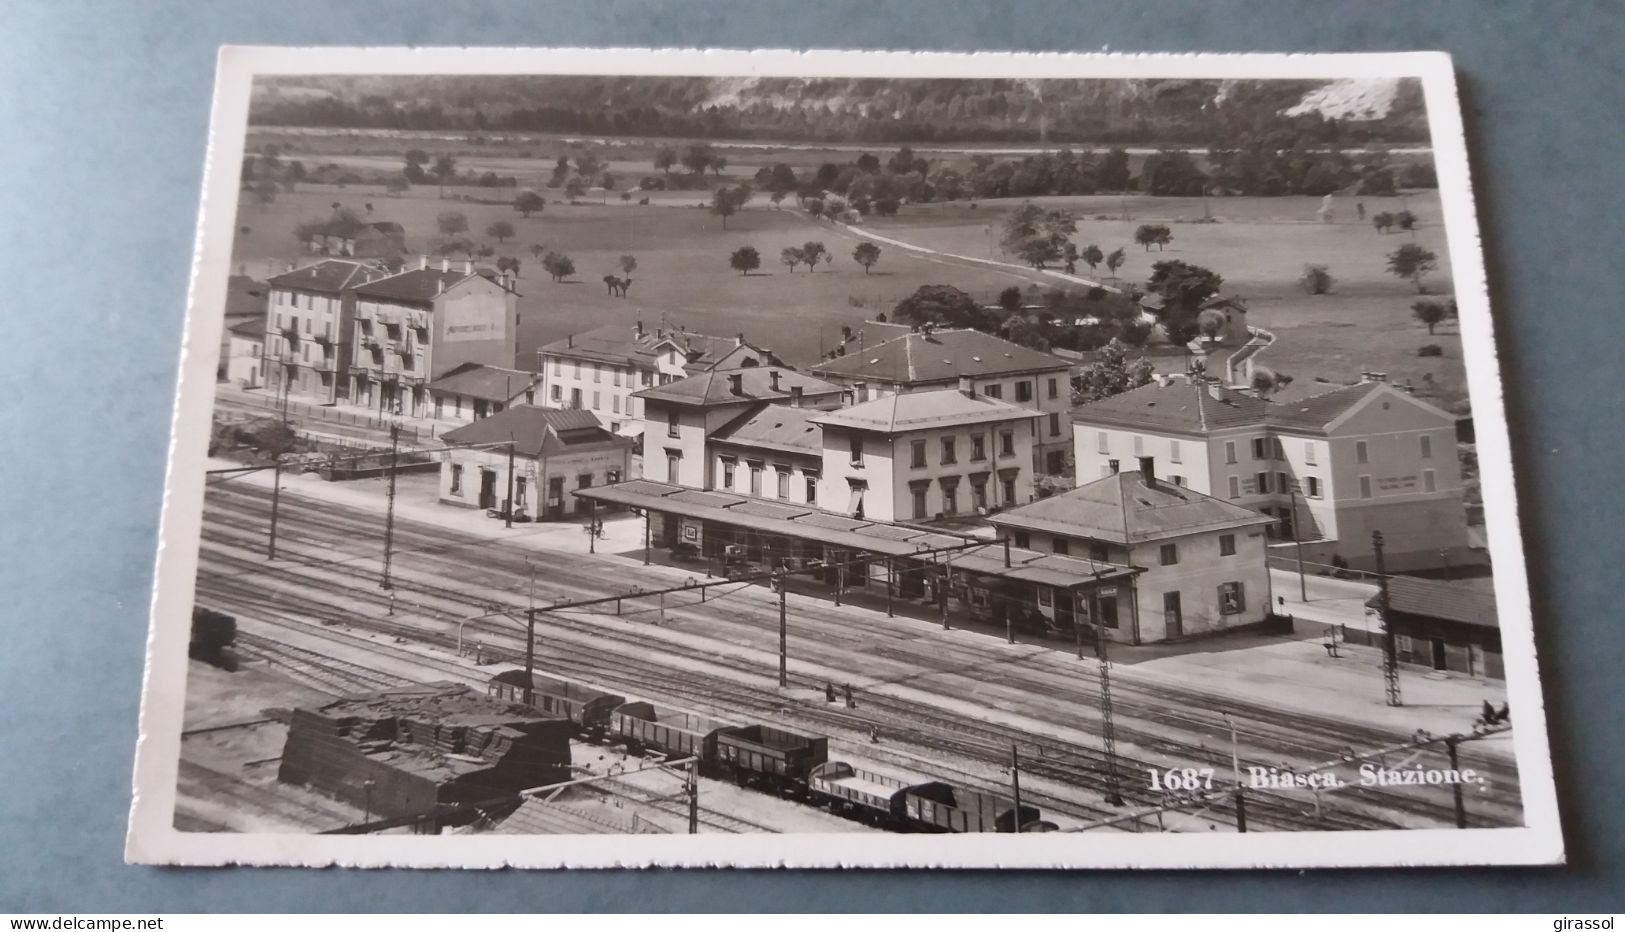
<point x="276" y="485"/>
<point x="389" y="511"/>
<point x="1015" y="788"/>
<point x="1297" y="537"/>
<point x="784" y="635"/>
<point x="1390" y="648"/>
<point x="1451" y="746"/>
<point x="507" y="511"/>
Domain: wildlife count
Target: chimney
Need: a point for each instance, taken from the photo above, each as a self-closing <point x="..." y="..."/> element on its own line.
<point x="440" y="286"/>
<point x="736" y="384"/>
<point x="570" y="340"/>
<point x="423" y="262"/>
<point x="1215" y="390"/>
<point x="1148" y="469"/>
<point x="637" y="329"/>
<point x="773" y="378"/>
<point x="445" y="264"/>
<point x="967" y="386"/>
<point x="739" y="339"/>
<point x="468" y="266"/>
<point x="1114" y="466"/>
<point x="795" y="396"/>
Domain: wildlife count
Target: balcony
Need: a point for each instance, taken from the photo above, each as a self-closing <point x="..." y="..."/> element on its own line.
<point x="324" y="337"/>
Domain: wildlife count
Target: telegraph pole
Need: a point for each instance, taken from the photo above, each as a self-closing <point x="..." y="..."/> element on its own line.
<point x="389" y="512"/>
<point x="693" y="796"/>
<point x="1450" y="745"/>
<point x="507" y="512"/>
<point x="1297" y="537"/>
<point x="1108" y="728"/>
<point x="1390" y="649"/>
<point x="942" y="590"/>
<point x="276" y="486"/>
<point x="784" y="636"/>
<point x="1235" y="772"/>
<point x="1015" y="787"/>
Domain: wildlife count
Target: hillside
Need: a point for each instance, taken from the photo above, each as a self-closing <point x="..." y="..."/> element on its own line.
<point x="1144" y="111"/>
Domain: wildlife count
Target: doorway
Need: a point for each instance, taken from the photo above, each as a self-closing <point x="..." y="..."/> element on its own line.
<point x="1173" y="618"/>
<point x="1439" y="660"/>
<point x="488" y="488"/>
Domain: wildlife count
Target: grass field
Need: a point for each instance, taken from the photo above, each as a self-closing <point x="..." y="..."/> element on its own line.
<point x="1259" y="245"/>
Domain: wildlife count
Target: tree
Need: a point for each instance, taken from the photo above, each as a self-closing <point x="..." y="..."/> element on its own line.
<point x="1092" y="255"/>
<point x="451" y="223"/>
<point x="1113" y="172"/>
<point x="529" y="202"/>
<point x="698" y="158"/>
<point x="1266" y="380"/>
<point x="1406" y="220"/>
<point x="508" y="264"/>
<point x="589" y="166"/>
<point x="1431" y="313"/>
<point x="500" y="230"/>
<point x="944" y="306"/>
<point x="264" y="191"/>
<point x="1316" y="279"/>
<point x="536" y="250"/>
<point x="1069" y="255"/>
<point x="1011" y="300"/>
<point x="574" y="188"/>
<point x="293" y="174"/>
<point x="1383" y="222"/>
<point x="445" y="169"/>
<point x="665" y="159"/>
<point x="1211" y="323"/>
<point x="1027" y="331"/>
<point x="1111" y="374"/>
<point x="1153" y="234"/>
<point x="1115" y="261"/>
<point x="558" y="266"/>
<point x="725" y="201"/>
<point x="1412" y="261"/>
<point x="745" y="260"/>
<point x="1037" y="235"/>
<point x="718" y="163"/>
<point x="813" y="253"/>
<point x="791" y="256"/>
<point x="628" y="264"/>
<point x="866" y="254"/>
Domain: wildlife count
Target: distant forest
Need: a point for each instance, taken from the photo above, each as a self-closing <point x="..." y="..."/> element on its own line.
<point x="851" y="110"/>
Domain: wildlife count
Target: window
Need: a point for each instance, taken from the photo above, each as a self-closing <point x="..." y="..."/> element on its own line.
<point x="595" y="401"/>
<point x="1020" y="539"/>
<point x="1235" y="486"/>
<point x="1054" y="423"/>
<point x="949" y="457"/>
<point x="1232" y="598"/>
<point x="950" y="499"/>
<point x="615" y="403"/>
<point x="728" y="466"/>
<point x="978" y="492"/>
<point x="1173" y="451"/>
<point x="1024" y="391"/>
<point x="1283" y="484"/>
<point x="648" y="379"/>
<point x="1280" y="451"/>
<point x="1176" y="480"/>
<point x="1009" y="491"/>
<point x="812" y="487"/>
<point x="456" y="479"/>
<point x="1227" y="545"/>
<point x="597" y="373"/>
<point x="755" y="479"/>
<point x="674" y="459"/>
<point x="1102" y="442"/>
<point x="575" y="369"/>
<point x="584" y="480"/>
<point x="1007" y="443"/>
<point x="995" y="390"/>
<point x="530" y="395"/>
<point x="1108" y="608"/>
<point x="558" y="367"/>
<point x="857" y="449"/>
<point x="918" y="493"/>
<point x="1046" y="596"/>
<point x="1365" y="486"/>
<point x="1054" y="388"/>
<point x="1261" y="448"/>
<point x="1168" y="554"/>
<point x="617" y="373"/>
<point x="518" y="491"/>
<point x="978" y="448"/>
<point x="1139" y="445"/>
<point x="1360" y="453"/>
<point x="1309" y="452"/>
<point x="1262" y="483"/>
<point x="917" y="459"/>
<point x="1060" y="546"/>
<point x="784" y="480"/>
<point x="1098" y="552"/>
<point x="1230" y="452"/>
<point x="671" y="423"/>
<point x="1429" y="484"/>
<point x="557" y="394"/>
<point x="612" y="476"/>
<point x="1311" y="486"/>
<point x="1427" y="446"/>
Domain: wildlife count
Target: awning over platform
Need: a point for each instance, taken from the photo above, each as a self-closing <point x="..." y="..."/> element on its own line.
<point x="804" y="522"/>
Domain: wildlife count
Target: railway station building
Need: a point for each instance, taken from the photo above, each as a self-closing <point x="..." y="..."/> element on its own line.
<point x="959" y="576"/>
<point x="554" y="456"/>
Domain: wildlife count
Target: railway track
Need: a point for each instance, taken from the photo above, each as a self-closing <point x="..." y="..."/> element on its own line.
<point x="332" y="532"/>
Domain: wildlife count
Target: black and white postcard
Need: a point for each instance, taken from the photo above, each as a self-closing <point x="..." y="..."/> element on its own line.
<point x="591" y="458"/>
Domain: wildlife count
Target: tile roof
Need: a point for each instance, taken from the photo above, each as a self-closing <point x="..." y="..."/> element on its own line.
<point x="422" y="285"/>
<point x="1177" y="406"/>
<point x="1450" y="601"/>
<point x="246" y="297"/>
<point x="251" y="328"/>
<point x="490" y="383"/>
<point x="535" y="431"/>
<point x="939" y="356"/>
<point x="638" y="347"/>
<point x="330" y="276"/>
<point x="715" y="386"/>
<point x="906" y="411"/>
<point x="777" y="428"/>
<point x="1314" y="412"/>
<point x="1126" y="509"/>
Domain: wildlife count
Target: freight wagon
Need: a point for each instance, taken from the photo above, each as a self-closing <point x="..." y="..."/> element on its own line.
<point x="771" y="757"/>
<point x="589" y="707"/>
<point x="858" y="794"/>
<point x="943" y="807"/>
<point x="671" y="732"/>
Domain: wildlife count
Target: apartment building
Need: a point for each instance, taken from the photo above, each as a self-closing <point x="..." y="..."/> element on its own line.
<point x="1329" y="466"/>
<point x="603" y="369"/>
<point x="309" y="316"/>
<point x="931" y="360"/>
<point x="1204" y="561"/>
<point x="922" y="455"/>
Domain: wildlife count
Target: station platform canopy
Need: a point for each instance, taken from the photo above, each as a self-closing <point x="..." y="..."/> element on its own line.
<point x="806" y="523"/>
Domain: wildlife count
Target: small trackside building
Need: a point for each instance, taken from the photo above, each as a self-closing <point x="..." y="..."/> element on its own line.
<point x="918" y="456"/>
<point x="1205" y="561"/>
<point x="1440" y="624"/>
<point x="555" y="454"/>
<point x="474" y="390"/>
<point x="932" y="360"/>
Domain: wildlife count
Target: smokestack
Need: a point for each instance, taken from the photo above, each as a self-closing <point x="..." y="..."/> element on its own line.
<point x="773" y="378"/>
<point x="1148" y="469"/>
<point x="967" y="386"/>
<point x="736" y="384"/>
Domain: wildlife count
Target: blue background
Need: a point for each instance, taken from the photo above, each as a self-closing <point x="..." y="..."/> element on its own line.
<point x="103" y="122"/>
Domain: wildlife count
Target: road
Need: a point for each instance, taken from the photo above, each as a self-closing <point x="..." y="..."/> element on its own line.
<point x="945" y="703"/>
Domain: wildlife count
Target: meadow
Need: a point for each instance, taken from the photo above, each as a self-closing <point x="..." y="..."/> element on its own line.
<point x="683" y="279"/>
